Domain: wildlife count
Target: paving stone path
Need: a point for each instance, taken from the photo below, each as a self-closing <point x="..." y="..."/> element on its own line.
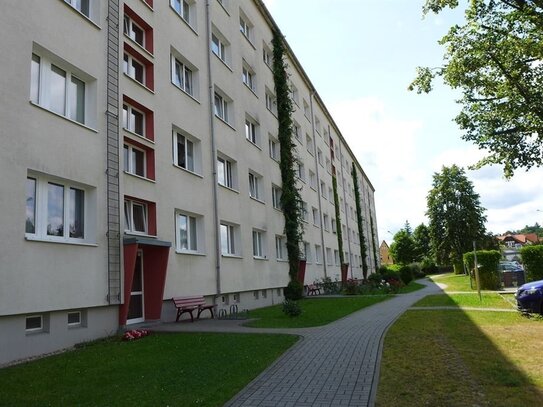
<point x="333" y="365"/>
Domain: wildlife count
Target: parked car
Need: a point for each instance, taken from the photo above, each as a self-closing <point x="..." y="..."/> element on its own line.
<point x="509" y="266"/>
<point x="529" y="297"/>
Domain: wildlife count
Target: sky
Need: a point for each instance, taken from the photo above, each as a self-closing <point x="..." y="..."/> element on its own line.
<point x="361" y="55"/>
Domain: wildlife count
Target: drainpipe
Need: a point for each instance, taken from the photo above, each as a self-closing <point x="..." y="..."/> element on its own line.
<point x="345" y="202"/>
<point x="311" y="95"/>
<point x="213" y="154"/>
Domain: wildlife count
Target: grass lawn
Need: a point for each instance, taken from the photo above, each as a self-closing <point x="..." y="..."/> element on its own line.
<point x="454" y="282"/>
<point x="472" y="358"/>
<point x="159" y="370"/>
<point x="489" y="300"/>
<point x="412" y="286"/>
<point x="315" y="311"/>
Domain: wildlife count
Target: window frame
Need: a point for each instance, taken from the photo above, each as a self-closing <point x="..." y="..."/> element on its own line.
<point x="277" y="192"/>
<point x="196" y="158"/>
<point x="194" y="228"/>
<point x="35" y="329"/>
<point x="129" y="70"/>
<point x="255" y="186"/>
<point x="129" y="217"/>
<point x="186" y="73"/>
<point x="251" y="132"/>
<point x="228" y="173"/>
<point x="259" y="244"/>
<point x="130" y="166"/>
<point x="280" y="248"/>
<point x="232" y="243"/>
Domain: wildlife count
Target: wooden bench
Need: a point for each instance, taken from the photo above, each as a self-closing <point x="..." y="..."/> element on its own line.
<point x="190" y="304"/>
<point x="313" y="289"/>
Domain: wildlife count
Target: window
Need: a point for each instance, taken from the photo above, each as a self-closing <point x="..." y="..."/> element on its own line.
<point x="221" y="107"/>
<point x="331" y="194"/>
<point x="258" y="244"/>
<point x="135" y="216"/>
<point x="133" y="68"/>
<point x="280" y="247"/>
<point x="182" y="76"/>
<point x="228" y="239"/>
<point x="297" y="131"/>
<point x="267" y="56"/>
<point x="309" y="144"/>
<point x="276" y="197"/>
<point x="56" y="210"/>
<point x="83" y="6"/>
<point x="186" y="152"/>
<point x="271" y="104"/>
<point x="294" y="93"/>
<point x="186" y="10"/>
<point x="134" y="160"/>
<point x="329" y="259"/>
<point x="245" y="28"/>
<point x="275" y="152"/>
<point x="318" y="254"/>
<point x="254" y="185"/>
<point x="34" y="323"/>
<point x="133" y="120"/>
<point x="300" y="171"/>
<point x="306" y="109"/>
<point x="57" y="89"/>
<point x="323" y="189"/>
<point x="225" y="172"/>
<point x="334" y="226"/>
<point x="74" y="318"/>
<point x="305" y="213"/>
<point x="219" y="47"/>
<point x="317" y="125"/>
<point x="316" y="217"/>
<point x="248" y="77"/>
<point x="134" y="31"/>
<point x="250" y="131"/>
<point x="312" y="180"/>
<point x="187" y="232"/>
<point x="319" y="157"/>
<point x="325" y="222"/>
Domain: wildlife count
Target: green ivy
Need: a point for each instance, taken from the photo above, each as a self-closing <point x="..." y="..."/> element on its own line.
<point x="339" y="232"/>
<point x="290" y="198"/>
<point x="375" y="259"/>
<point x="360" y="222"/>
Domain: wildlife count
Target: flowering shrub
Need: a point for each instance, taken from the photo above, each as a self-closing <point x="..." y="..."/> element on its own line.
<point x="351" y="287"/>
<point x="135" y="334"/>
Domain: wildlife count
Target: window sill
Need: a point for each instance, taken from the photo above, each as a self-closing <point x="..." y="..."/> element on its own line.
<point x="282" y="260"/>
<point x="139" y="46"/>
<point x="278" y="209"/>
<point x="225" y="122"/>
<point x="140" y="137"/>
<point x="139" y="83"/>
<point x="190" y="253"/>
<point x="229" y="188"/>
<point x="253" y="144"/>
<point x="63" y="117"/>
<point x="76" y="326"/>
<point x="188" y="171"/>
<point x="248" y="39"/>
<point x="131" y="233"/>
<point x="186" y="93"/>
<point x="82" y="15"/>
<point x="260" y="258"/>
<point x="37" y="331"/>
<point x="61" y="241"/>
<point x="257" y="200"/>
<point x="274" y="114"/>
<point x="231" y="256"/>
<point x="253" y="91"/>
<point x="140" y="177"/>
<point x="184" y="21"/>
<point x="148" y="5"/>
<point x="223" y="7"/>
<point x="223" y="62"/>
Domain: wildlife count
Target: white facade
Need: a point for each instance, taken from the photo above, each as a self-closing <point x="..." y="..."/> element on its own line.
<point x="184" y="106"/>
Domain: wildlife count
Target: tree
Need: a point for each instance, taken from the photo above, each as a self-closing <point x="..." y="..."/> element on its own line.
<point x="402" y="248"/>
<point x="422" y="244"/>
<point x="456" y="216"/>
<point x="495" y="60"/>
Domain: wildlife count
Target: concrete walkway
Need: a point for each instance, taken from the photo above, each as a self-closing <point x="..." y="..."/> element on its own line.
<point x="333" y="365"/>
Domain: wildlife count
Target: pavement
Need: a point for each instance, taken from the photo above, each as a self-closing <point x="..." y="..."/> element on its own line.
<point x="333" y="365"/>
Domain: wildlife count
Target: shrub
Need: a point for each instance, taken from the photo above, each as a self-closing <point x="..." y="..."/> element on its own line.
<point x="294" y="290"/>
<point x="487" y="261"/>
<point x="428" y="266"/>
<point x="416" y="270"/>
<point x="291" y="308"/>
<point x="351" y="287"/>
<point x="329" y="286"/>
<point x="406" y="274"/>
<point x="532" y="258"/>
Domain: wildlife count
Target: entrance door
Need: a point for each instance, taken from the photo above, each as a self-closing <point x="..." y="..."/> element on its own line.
<point x="135" y="309"/>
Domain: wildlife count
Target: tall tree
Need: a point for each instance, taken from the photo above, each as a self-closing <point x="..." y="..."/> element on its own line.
<point x="421" y="241"/>
<point x="402" y="248"/>
<point x="495" y="60"/>
<point x="456" y="216"/>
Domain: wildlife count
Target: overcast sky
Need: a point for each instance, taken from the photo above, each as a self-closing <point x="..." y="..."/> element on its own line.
<point x="361" y="55"/>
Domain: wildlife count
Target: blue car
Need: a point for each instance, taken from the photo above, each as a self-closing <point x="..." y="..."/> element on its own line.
<point x="530" y="297"/>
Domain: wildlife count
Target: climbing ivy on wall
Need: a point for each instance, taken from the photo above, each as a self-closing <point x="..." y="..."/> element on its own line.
<point x="339" y="232"/>
<point x="360" y="222"/>
<point x="375" y="258"/>
<point x="290" y="198"/>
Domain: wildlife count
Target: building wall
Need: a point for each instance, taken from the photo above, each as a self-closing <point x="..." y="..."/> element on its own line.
<point x="51" y="278"/>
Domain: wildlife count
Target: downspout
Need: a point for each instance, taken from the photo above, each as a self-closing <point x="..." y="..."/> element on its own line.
<point x="311" y="95"/>
<point x="345" y="202"/>
<point x="213" y="155"/>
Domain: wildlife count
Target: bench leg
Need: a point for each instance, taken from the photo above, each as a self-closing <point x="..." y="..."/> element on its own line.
<point x="180" y="312"/>
<point x="200" y="310"/>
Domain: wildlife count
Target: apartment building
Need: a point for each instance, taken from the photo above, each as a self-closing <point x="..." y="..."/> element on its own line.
<point x="140" y="152"/>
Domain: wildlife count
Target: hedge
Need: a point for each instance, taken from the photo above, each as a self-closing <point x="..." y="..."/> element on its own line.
<point x="532" y="258"/>
<point x="487" y="261"/>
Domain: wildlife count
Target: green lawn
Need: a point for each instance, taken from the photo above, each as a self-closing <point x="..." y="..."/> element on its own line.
<point x="159" y="370"/>
<point x="489" y="300"/>
<point x="454" y="282"/>
<point x="451" y="358"/>
<point x="315" y="311"/>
